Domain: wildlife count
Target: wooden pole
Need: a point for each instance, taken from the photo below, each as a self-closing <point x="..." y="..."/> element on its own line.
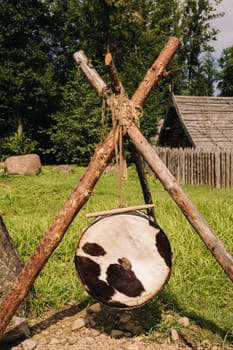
<point x="139" y="162"/>
<point x="91" y="74"/>
<point x="213" y="243"/>
<point x="77" y="199"/>
<point x="156" y="72"/>
<point x="55" y="232"/>
<point x="115" y="81"/>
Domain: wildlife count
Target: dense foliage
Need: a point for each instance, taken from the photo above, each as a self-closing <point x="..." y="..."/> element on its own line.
<point x="46" y="105"/>
<point x="225" y="84"/>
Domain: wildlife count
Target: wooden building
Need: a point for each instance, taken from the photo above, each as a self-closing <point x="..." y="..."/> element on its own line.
<point x="198" y="122"/>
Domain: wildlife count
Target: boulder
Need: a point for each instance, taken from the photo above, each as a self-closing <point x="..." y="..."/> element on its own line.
<point x="62" y="169"/>
<point x="28" y="164"/>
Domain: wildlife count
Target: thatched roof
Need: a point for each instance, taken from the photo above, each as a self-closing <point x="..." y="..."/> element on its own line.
<point x="196" y="121"/>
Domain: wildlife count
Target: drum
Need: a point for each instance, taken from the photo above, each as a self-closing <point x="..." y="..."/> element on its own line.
<point x="123" y="260"/>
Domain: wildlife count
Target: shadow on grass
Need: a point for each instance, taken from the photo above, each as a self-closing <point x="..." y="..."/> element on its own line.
<point x="170" y="302"/>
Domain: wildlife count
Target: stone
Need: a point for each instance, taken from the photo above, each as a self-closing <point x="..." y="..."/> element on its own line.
<point x="116" y="333"/>
<point x="205" y="344"/>
<point x="174" y="335"/>
<point x="125" y="318"/>
<point x="28" y="164"/>
<point x="95" y="333"/>
<point x="54" y="341"/>
<point x="92" y="323"/>
<point x="62" y="169"/>
<point x="184" y="321"/>
<point x="128" y="334"/>
<point x="78" y="323"/>
<point x="29" y="344"/>
<point x="133" y="328"/>
<point x="95" y="308"/>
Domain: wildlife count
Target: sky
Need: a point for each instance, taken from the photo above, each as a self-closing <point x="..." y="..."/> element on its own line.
<point x="225" y="25"/>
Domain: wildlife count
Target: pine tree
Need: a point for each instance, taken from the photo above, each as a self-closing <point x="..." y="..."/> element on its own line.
<point x="25" y="71"/>
<point x="197" y="34"/>
<point x="225" y="84"/>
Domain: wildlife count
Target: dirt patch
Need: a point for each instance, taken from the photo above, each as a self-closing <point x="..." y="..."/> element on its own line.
<point x="75" y="328"/>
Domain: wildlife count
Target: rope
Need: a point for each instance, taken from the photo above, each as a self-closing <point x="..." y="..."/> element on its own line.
<point x="123" y="112"/>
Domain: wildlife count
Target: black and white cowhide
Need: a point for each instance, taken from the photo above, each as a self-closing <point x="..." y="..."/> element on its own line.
<point x="123" y="260"/>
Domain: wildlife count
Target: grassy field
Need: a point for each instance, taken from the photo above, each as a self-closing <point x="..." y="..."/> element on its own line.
<point x="198" y="288"/>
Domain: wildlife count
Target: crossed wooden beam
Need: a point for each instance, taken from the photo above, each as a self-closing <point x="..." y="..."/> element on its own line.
<point x="82" y="191"/>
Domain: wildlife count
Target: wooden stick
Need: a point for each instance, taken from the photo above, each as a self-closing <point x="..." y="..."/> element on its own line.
<point x="119" y="210"/>
<point x="213" y="243"/>
<point x="157" y="70"/>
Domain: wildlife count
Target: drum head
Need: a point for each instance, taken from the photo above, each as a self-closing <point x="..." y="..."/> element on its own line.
<point x="123" y="260"/>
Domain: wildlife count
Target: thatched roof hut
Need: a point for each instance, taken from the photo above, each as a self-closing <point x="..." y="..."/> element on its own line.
<point x="198" y="122"/>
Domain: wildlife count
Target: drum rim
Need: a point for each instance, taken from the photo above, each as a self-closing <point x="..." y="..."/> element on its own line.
<point x="133" y="213"/>
<point x="138" y="213"/>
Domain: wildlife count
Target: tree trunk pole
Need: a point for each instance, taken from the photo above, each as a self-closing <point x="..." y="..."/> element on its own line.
<point x="139" y="162"/>
<point x="77" y="199"/>
<point x="55" y="232"/>
<point x="156" y="72"/>
<point x="91" y="74"/>
<point x="213" y="243"/>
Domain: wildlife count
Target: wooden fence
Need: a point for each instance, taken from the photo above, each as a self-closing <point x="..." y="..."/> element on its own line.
<point x="199" y="166"/>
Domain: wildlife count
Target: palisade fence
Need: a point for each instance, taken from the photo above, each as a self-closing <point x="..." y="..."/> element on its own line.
<point x="211" y="167"/>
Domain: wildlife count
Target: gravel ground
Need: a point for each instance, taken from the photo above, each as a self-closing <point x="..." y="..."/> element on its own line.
<point x="76" y="329"/>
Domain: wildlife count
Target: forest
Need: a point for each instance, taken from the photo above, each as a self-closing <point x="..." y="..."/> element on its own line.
<point x="46" y="105"/>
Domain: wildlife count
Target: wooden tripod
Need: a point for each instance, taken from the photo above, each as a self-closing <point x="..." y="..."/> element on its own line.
<point x="84" y="188"/>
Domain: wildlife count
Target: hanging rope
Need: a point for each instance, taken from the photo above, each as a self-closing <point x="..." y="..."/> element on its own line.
<point x="123" y="112"/>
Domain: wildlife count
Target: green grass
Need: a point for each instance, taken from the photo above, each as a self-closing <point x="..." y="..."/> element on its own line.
<point x="198" y="288"/>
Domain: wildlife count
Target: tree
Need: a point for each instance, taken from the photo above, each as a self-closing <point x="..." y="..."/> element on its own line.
<point x="134" y="32"/>
<point x="26" y="72"/>
<point x="203" y="85"/>
<point x="196" y="33"/>
<point x="225" y="84"/>
<point x="76" y="127"/>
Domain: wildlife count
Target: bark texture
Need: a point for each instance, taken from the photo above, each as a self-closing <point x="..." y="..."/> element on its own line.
<point x="10" y="261"/>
